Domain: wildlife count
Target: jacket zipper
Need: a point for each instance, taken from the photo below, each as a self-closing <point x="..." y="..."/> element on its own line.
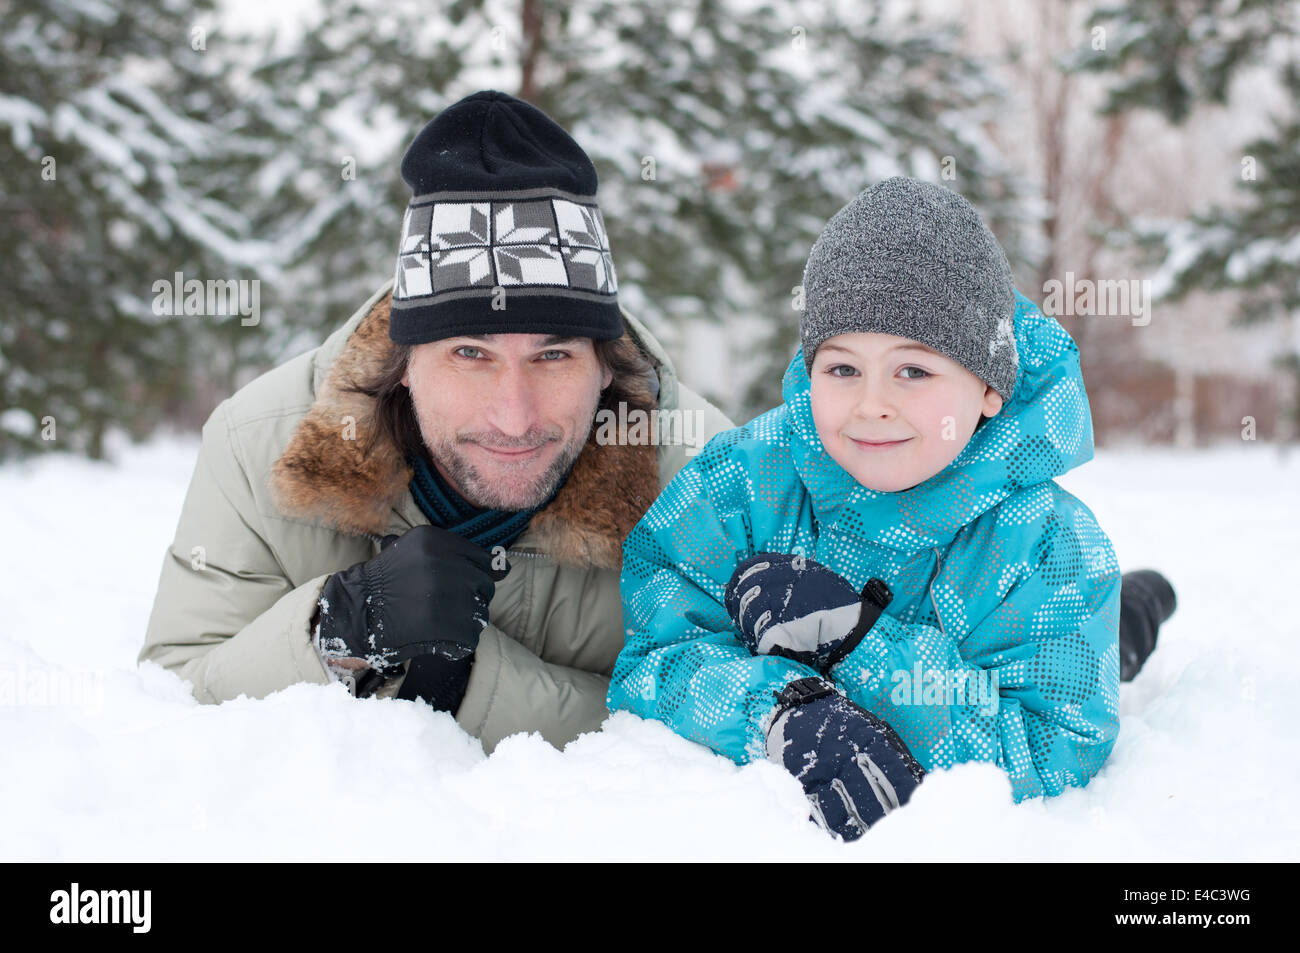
<point x="376" y="538"/>
<point x="938" y="565"/>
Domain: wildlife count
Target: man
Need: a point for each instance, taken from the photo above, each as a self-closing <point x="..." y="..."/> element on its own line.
<point x="421" y="507"/>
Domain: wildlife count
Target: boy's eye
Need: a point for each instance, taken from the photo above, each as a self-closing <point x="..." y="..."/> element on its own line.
<point x="921" y="372"/>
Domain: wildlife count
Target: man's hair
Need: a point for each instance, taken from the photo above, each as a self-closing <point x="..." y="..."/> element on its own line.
<point x="633" y="382"/>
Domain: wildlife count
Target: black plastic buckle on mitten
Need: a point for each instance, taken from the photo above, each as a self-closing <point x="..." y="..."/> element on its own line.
<point x="875" y="597"/>
<point x="804" y="690"/>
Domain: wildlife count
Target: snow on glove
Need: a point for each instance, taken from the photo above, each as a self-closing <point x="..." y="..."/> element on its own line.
<point x="426" y="592"/>
<point x="853" y="766"/>
<point x="797" y="608"/>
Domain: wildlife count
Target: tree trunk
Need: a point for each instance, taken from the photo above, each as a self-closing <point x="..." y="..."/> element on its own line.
<point x="1184" y="408"/>
<point x="531" y="16"/>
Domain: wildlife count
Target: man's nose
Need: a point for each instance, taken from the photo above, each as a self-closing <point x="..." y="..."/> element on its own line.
<point x="512" y="403"/>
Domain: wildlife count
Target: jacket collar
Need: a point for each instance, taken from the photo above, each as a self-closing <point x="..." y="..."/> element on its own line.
<point x="1044" y="430"/>
<point x="323" y="475"/>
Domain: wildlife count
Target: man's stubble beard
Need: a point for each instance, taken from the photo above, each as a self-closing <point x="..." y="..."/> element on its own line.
<point x="481" y="492"/>
<point x="485" y="494"/>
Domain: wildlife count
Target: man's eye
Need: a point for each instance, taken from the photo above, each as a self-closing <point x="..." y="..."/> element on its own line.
<point x="467" y="347"/>
<point x="922" y="372"/>
<point x="554" y="355"/>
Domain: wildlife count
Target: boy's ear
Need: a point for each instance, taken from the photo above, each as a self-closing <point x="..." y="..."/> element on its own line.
<point x="992" y="402"/>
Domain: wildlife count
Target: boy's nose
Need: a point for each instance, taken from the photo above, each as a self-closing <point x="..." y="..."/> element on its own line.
<point x="875" y="399"/>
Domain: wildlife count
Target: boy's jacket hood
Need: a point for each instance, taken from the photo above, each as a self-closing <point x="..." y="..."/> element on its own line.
<point x="1042" y="432"/>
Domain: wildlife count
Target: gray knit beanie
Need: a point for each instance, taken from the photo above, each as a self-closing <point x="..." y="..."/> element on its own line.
<point x="914" y="259"/>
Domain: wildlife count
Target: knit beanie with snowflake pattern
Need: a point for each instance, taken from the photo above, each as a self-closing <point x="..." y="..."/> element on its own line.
<point x="502" y="233"/>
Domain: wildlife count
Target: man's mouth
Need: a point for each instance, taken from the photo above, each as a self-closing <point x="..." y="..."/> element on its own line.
<point x="511" y="454"/>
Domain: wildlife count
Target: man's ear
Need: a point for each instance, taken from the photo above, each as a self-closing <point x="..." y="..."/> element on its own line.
<point x="606" y="377"/>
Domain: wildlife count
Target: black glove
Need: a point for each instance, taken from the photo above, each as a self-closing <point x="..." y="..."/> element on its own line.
<point x="426" y="592"/>
<point x="797" y="608"/>
<point x="853" y="766"/>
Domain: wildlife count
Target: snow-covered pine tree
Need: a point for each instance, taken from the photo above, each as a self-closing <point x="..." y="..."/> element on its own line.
<point x="336" y="105"/>
<point x="116" y="165"/>
<point x="1170" y="57"/>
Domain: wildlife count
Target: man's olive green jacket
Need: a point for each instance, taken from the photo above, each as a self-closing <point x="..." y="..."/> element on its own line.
<point x="283" y="495"/>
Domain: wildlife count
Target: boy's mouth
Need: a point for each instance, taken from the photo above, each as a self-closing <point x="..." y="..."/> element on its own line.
<point x="878" y="444"/>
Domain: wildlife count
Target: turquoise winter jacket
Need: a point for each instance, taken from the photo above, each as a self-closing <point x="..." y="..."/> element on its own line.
<point x="1002" y="641"/>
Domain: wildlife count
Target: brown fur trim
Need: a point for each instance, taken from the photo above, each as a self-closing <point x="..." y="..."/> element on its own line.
<point x="324" y="475"/>
<point x="608" y="491"/>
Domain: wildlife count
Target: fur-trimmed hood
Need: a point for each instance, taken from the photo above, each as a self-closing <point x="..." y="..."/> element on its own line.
<point x="325" y="475"/>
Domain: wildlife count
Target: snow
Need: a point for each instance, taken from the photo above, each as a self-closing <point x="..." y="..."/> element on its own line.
<point x="1245" y="263"/>
<point x="20" y="115"/>
<point x="110" y="761"/>
<point x="1186" y="243"/>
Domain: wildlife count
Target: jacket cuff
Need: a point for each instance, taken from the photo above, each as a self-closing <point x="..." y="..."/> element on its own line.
<point x="512" y="690"/>
<point x="272" y="652"/>
<point x="868" y="670"/>
<point x="484" y="677"/>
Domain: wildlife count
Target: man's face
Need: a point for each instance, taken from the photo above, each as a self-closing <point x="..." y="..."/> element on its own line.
<point x="891" y="411"/>
<point x="504" y="416"/>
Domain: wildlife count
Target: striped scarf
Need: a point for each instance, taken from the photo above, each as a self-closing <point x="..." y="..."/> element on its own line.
<point x="447" y="509"/>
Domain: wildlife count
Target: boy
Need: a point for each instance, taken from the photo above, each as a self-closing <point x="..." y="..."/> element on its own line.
<point x="879" y="577"/>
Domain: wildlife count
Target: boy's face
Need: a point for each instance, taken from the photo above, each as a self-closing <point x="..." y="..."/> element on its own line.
<point x="891" y="411"/>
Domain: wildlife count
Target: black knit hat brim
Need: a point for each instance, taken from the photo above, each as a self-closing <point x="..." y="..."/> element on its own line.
<point x="525" y="313"/>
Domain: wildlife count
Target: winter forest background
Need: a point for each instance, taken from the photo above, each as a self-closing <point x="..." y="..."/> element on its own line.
<point x="1155" y="141"/>
<point x="248" y="141"/>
